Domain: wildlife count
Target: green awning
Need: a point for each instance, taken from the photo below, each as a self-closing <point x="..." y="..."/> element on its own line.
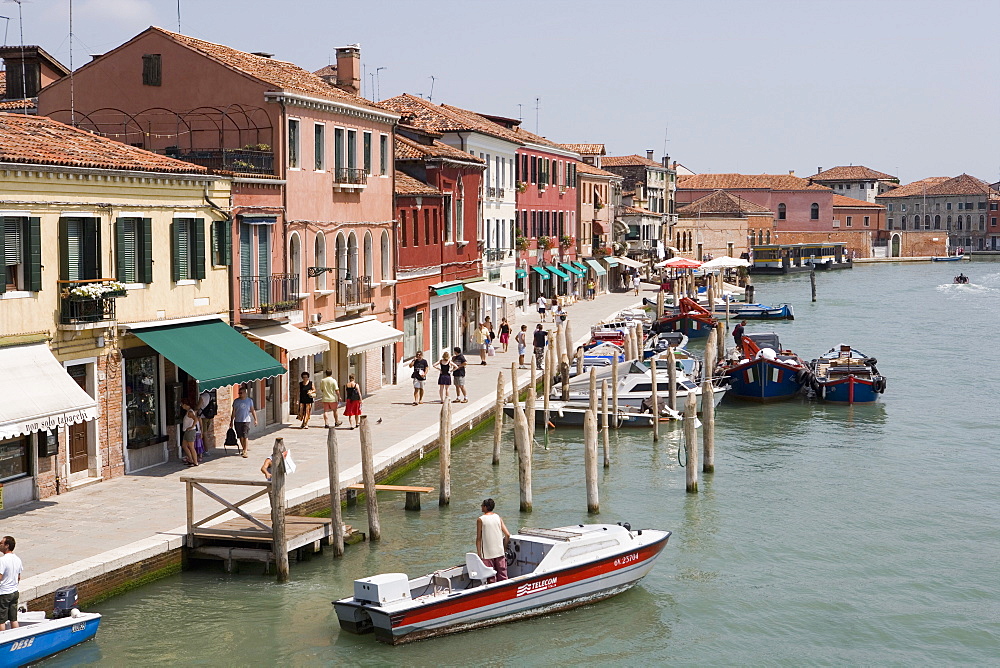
<point x="541" y="272"/>
<point x="557" y="271"/>
<point x="569" y="267"/>
<point x="448" y="290"/>
<point x="577" y="263"/>
<point x="612" y="261"/>
<point x="520" y="273"/>
<point x="596" y="266"/>
<point x="212" y="352"/>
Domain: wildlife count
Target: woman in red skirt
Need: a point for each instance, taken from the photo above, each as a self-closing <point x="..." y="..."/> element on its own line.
<point x="353" y="410"/>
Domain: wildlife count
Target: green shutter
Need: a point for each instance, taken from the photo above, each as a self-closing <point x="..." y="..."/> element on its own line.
<point x="65" y="227"/>
<point x="33" y="255"/>
<point x="222" y="240"/>
<point x="144" y="264"/>
<point x="90" y="247"/>
<point x="176" y="247"/>
<point x="198" y="271"/>
<point x="124" y="256"/>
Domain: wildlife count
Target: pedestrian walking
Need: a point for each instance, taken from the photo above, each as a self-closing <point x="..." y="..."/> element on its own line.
<point x="504" y="333"/>
<point x="458" y="363"/>
<point x="522" y="345"/>
<point x="538" y="341"/>
<point x="636" y="282"/>
<point x="444" y="377"/>
<point x="189" y="433"/>
<point x="482" y="339"/>
<point x="329" y="396"/>
<point x="10" y="580"/>
<point x="307" y="395"/>
<point x="543" y="303"/>
<point x="352" y="409"/>
<point x="419" y="375"/>
<point x="243" y="413"/>
<point x="492" y="539"/>
<point x="591" y="287"/>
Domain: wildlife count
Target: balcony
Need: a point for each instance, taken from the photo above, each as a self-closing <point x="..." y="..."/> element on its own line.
<point x="500" y="192"/>
<point x="79" y="313"/>
<point x="491" y="191"/>
<point x="346" y="179"/>
<point x="243" y="161"/>
<point x="354" y="294"/>
<point x="270" y="297"/>
<point x="497" y="254"/>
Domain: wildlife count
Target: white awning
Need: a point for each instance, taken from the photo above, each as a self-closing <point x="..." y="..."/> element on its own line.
<point x="494" y="290"/>
<point x="37" y="392"/>
<point x="629" y="262"/>
<point x="363" y="336"/>
<point x="298" y="342"/>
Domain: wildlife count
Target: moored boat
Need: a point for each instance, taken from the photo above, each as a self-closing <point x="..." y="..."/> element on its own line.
<point x="548" y="570"/>
<point x="847" y="376"/>
<point x="764" y="371"/>
<point x="742" y="311"/>
<point x="37" y="638"/>
<point x="635" y="384"/>
<point x="571" y="414"/>
<point x="691" y="319"/>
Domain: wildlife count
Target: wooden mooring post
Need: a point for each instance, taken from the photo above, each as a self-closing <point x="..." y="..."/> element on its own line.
<point x="812" y="281"/>
<point x="444" y="450"/>
<point x="579" y="360"/>
<point x="590" y="460"/>
<point x="498" y="420"/>
<point x="672" y="379"/>
<point x="567" y="340"/>
<point x="513" y="381"/>
<point x="547" y="390"/>
<point x="708" y="425"/>
<point x="529" y="404"/>
<point x="278" y="509"/>
<point x="691" y="443"/>
<point x="333" y="469"/>
<point x="522" y="442"/>
<point x="564" y="375"/>
<point x="655" y="398"/>
<point x="604" y="412"/>
<point x="720" y="339"/>
<point x="593" y="390"/>
<point x="614" y="388"/>
<point x="368" y="477"/>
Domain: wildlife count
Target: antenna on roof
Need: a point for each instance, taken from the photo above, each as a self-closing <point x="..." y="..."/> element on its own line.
<point x="178" y="15"/>
<point x="24" y="70"/>
<point x="72" y="92"/>
<point x="520" y="115"/>
<point x="430" y="98"/>
<point x="5" y="26"/>
<point x="538" y="104"/>
<point x="666" y="128"/>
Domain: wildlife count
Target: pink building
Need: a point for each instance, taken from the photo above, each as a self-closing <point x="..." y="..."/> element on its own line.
<point x="312" y="210"/>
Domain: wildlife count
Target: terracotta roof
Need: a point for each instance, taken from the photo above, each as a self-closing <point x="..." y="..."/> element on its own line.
<point x="962" y="184"/>
<point x="584" y="168"/>
<point x="636" y="211"/>
<point x="42" y="141"/>
<point x="850" y="173"/>
<point x="19" y="105"/>
<point x="745" y="182"/>
<point x="408" y="149"/>
<point x="423" y="114"/>
<point x="279" y="73"/>
<point x="586" y="149"/>
<point x="840" y="200"/>
<point x="625" y="160"/>
<point x="408" y="186"/>
<point x="721" y="202"/>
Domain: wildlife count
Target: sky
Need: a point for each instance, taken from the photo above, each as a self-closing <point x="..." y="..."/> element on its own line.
<point x="907" y="87"/>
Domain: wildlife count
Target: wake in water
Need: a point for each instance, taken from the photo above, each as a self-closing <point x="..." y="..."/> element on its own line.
<point x="988" y="284"/>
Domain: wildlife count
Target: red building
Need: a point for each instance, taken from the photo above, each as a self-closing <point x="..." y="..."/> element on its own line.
<point x="437" y="205"/>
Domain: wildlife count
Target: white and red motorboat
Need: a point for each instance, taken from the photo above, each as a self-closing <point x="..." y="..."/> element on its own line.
<point x="548" y="570"/>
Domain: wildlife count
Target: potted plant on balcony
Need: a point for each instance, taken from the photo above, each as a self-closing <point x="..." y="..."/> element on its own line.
<point x="521" y="186"/>
<point x="619" y="247"/>
<point x="521" y="243"/>
<point x="96" y="291"/>
<point x="565" y="241"/>
<point x="544" y="243"/>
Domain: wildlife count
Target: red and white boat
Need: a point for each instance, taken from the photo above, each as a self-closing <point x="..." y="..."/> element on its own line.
<point x="548" y="570"/>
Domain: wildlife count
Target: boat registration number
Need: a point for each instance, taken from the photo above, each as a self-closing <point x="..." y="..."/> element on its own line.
<point x="21" y="644"/>
<point x="621" y="561"/>
<point x="79" y="627"/>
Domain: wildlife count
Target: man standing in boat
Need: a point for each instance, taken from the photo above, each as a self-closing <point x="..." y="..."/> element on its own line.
<point x="491" y="541"/>
<point x="738" y="334"/>
<point x="10" y="579"/>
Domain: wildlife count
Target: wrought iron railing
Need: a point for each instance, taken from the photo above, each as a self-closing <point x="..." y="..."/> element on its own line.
<point x="350" y="176"/>
<point x="79" y="310"/>
<point x="274" y="293"/>
<point x="354" y="291"/>
<point x="239" y="160"/>
<point x="500" y="192"/>
<point x="496" y="254"/>
<point x="491" y="191"/>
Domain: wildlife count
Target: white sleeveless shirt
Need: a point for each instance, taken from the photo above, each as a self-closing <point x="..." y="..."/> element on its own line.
<point x="492" y="536"/>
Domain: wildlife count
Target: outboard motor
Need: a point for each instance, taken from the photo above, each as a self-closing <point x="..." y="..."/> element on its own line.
<point x="66" y="599"/>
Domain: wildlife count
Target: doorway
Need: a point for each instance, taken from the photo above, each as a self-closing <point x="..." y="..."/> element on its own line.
<point x="894" y="246"/>
<point x="78" y="450"/>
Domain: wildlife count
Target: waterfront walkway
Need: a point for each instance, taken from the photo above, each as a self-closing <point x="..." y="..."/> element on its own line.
<point x="85" y="533"/>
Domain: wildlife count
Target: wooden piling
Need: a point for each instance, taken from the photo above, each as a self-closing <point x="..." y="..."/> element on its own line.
<point x="368" y="477"/>
<point x="333" y="470"/>
<point x="720" y="340"/>
<point x="564" y="374"/>
<point x="547" y="388"/>
<point x="590" y="460"/>
<point x="710" y="292"/>
<point x="659" y="304"/>
<point x="691" y="443"/>
<point x="567" y="340"/>
<point x="655" y="397"/>
<point x="558" y="336"/>
<point x="708" y="425"/>
<point x="279" y="537"/>
<point x="711" y="347"/>
<point x="522" y="442"/>
<point x="593" y="390"/>
<point x="614" y="389"/>
<point x="812" y="282"/>
<point x="607" y="418"/>
<point x="579" y="360"/>
<point x="498" y="420"/>
<point x="628" y="345"/>
<point x="444" y="449"/>
<point x="672" y="378"/>
<point x="513" y="381"/>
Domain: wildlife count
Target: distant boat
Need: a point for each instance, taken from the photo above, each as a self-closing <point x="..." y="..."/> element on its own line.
<point x="962" y="279"/>
<point x="571" y="414"/>
<point x="847" y="376"/>
<point x="742" y="311"/>
<point x="765" y="372"/>
<point x="947" y="258"/>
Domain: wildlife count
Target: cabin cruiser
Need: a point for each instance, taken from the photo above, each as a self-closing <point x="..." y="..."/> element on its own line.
<point x="634" y="383"/>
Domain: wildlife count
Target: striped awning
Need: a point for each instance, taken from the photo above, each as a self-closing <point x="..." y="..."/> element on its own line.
<point x="596" y="266"/>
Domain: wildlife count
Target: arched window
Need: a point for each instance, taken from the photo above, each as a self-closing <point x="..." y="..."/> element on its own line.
<point x="982" y="222"/>
<point x="352" y="256"/>
<point x="760" y="237"/>
<point x="369" y="259"/>
<point x="814" y="211"/>
<point x="769" y="236"/>
<point x="341" y="257"/>
<point x="319" y="256"/>
<point x="937" y="222"/>
<point x="927" y="222"/>
<point x="947" y="222"/>
<point x="782" y="211"/>
<point x="959" y="224"/>
<point x="916" y="222"/>
<point x="386" y="260"/>
<point x="295" y="259"/>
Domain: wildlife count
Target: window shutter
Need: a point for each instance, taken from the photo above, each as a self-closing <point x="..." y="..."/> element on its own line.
<point x="124" y="250"/>
<point x="13" y="250"/>
<point x="69" y="248"/>
<point x="144" y="264"/>
<point x="198" y="270"/>
<point x="33" y="255"/>
<point x="176" y="248"/>
<point x="90" y="249"/>
<point x="264" y="263"/>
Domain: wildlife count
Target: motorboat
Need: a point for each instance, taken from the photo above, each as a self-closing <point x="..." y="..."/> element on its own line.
<point x="37" y="638"/>
<point x="961" y="279"/>
<point x="848" y="376"/>
<point x="662" y="342"/>
<point x="571" y="414"/>
<point x="635" y="385"/>
<point x="690" y="318"/>
<point x="602" y="353"/>
<point x="743" y="311"/>
<point x="548" y="570"/>
<point x="763" y="371"/>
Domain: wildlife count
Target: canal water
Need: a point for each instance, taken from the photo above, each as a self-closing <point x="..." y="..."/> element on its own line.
<point x="827" y="535"/>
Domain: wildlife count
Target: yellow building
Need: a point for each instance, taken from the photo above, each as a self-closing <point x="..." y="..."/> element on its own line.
<point x="108" y="252"/>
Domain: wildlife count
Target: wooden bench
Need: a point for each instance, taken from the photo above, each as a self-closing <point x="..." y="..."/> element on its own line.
<point x="412" y="493"/>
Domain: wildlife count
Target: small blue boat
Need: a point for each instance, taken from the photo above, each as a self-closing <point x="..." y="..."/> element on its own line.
<point x="847" y="376"/>
<point x="742" y="311"/>
<point x="765" y="372"/>
<point x="38" y="638"/>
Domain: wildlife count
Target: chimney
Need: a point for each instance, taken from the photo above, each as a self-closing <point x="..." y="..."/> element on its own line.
<point x="262" y="54"/>
<point x="666" y="161"/>
<point x="349" y="68"/>
<point x="819" y="169"/>
<point x="791" y="172"/>
<point x="649" y="154"/>
<point x="95" y="56"/>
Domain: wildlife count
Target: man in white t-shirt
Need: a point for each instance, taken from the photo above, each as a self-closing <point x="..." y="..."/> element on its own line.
<point x="10" y="578"/>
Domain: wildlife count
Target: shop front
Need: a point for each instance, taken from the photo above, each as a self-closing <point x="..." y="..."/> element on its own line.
<point x="277" y="396"/>
<point x="496" y="300"/>
<point x="357" y="349"/>
<point x="599" y="275"/>
<point x="44" y="412"/>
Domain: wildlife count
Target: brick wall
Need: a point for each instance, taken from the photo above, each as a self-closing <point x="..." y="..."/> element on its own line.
<point x="373" y="370"/>
<point x="110" y="428"/>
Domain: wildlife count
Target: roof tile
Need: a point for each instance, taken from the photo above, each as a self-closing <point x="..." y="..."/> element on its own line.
<point x="586" y="149"/>
<point x="408" y="149"/>
<point x="851" y="173"/>
<point x="963" y="184"/>
<point x="745" y="182"/>
<point x="841" y="200"/>
<point x="442" y="118"/>
<point x="408" y="186"/>
<point x="721" y="201"/>
<point x="627" y="160"/>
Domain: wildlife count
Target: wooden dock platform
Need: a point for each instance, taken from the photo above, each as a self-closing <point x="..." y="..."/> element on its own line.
<point x="240" y="539"/>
